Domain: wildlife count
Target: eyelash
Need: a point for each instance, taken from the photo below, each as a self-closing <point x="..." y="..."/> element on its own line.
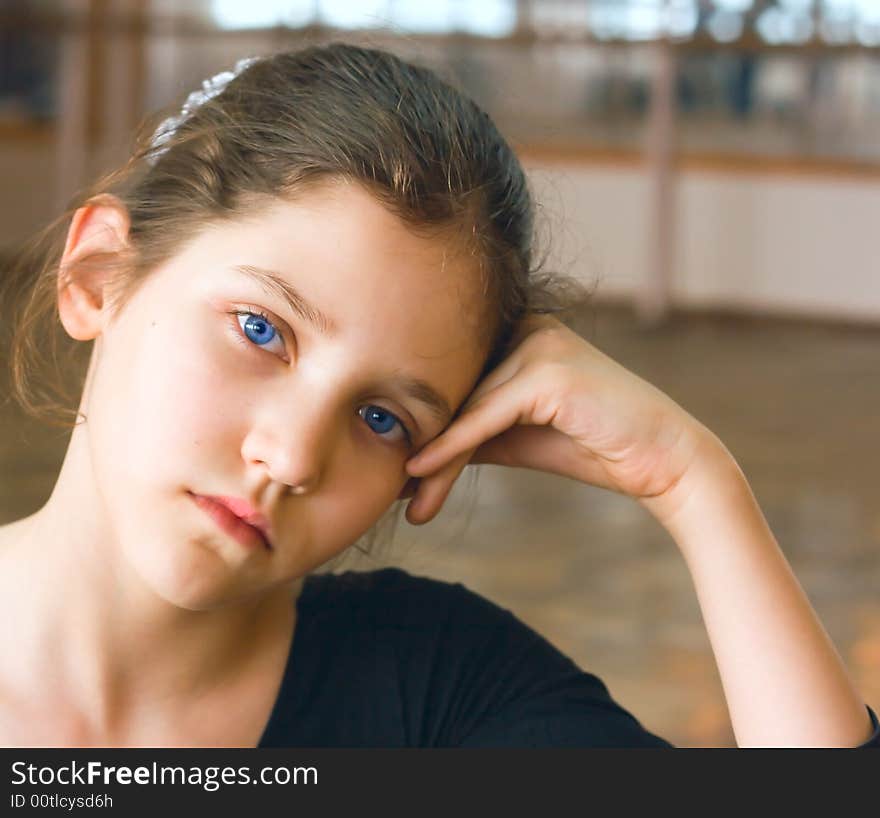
<point x="247" y="343"/>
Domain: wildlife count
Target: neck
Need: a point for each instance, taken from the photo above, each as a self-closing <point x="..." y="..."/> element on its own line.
<point x="86" y="634"/>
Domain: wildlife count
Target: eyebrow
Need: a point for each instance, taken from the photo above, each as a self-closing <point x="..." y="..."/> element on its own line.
<point x="275" y="284"/>
<point x="422" y="391"/>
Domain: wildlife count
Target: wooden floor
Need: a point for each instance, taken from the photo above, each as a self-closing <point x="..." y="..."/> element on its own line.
<point x="799" y="407"/>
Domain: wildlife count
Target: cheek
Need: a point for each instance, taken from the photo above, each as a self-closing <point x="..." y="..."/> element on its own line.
<point x="196" y="397"/>
<point x="164" y="398"/>
<point x="337" y="520"/>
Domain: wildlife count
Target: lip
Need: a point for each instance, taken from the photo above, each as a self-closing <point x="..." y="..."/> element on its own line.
<point x="237" y="518"/>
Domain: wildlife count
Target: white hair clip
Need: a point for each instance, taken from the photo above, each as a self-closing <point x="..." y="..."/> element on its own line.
<point x="210" y="89"/>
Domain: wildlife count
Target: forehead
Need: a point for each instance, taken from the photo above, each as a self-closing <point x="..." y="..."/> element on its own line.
<point x="408" y="302"/>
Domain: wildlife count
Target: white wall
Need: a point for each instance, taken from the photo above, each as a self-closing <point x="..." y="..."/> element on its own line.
<point x="763" y="243"/>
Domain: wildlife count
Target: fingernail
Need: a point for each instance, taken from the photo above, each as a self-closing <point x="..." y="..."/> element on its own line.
<point x="414" y="463"/>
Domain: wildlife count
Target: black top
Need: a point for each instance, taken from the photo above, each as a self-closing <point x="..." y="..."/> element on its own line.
<point x="387" y="659"/>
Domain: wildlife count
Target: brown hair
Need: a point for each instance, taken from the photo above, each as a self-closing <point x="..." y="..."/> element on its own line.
<point x="289" y="121"/>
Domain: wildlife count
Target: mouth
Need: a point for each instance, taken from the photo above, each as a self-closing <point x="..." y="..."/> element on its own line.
<point x="237" y="517"/>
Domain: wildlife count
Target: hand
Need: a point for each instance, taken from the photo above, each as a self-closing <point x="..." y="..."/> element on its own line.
<point x="557" y="404"/>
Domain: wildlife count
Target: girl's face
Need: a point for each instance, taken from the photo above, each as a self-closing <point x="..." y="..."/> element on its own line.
<point x="210" y="383"/>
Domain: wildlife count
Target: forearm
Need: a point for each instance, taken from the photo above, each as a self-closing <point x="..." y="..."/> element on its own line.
<point x="784" y="682"/>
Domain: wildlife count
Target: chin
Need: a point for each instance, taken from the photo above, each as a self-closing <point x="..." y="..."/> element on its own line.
<point x="193" y="576"/>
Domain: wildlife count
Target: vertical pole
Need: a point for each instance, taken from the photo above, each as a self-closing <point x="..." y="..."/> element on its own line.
<point x="71" y="149"/>
<point x="653" y="299"/>
<point x="523" y="16"/>
<point x="123" y="73"/>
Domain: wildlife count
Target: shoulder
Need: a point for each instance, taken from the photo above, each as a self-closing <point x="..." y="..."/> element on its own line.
<point x="467" y="671"/>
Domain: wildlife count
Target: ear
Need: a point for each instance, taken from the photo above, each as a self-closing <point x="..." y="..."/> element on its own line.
<point x="409" y="489"/>
<point x="99" y="227"/>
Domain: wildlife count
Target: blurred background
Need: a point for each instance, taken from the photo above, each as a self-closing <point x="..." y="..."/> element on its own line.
<point x="712" y="167"/>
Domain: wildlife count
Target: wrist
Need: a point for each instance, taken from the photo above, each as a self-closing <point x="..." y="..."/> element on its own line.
<point x="712" y="485"/>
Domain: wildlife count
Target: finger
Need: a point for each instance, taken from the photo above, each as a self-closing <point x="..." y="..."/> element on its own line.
<point x="409" y="488"/>
<point x="427" y="453"/>
<point x="544" y="449"/>
<point x="492" y="414"/>
<point x="433" y="491"/>
<point x="502" y="373"/>
<point x="509" y="367"/>
<point x="516" y="357"/>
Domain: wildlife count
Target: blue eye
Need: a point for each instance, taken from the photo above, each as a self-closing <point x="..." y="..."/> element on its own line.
<point x="258" y="328"/>
<point x="384" y="421"/>
<point x="260" y="331"/>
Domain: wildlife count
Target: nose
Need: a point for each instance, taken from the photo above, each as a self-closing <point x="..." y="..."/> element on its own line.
<point x="293" y="440"/>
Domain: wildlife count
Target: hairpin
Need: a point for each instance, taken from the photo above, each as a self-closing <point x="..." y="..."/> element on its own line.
<point x="210" y="89"/>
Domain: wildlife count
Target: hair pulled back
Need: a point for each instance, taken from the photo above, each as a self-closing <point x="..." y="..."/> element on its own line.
<point x="422" y="148"/>
<point x="289" y="121"/>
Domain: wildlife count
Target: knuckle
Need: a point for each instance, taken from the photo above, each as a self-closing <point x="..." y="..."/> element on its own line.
<point x="472" y="403"/>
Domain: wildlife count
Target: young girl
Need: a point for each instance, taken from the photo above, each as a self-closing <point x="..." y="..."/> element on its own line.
<point x="311" y="295"/>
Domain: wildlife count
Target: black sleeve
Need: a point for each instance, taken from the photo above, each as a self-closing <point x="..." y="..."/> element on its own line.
<point x="874" y="740"/>
<point x="541" y="698"/>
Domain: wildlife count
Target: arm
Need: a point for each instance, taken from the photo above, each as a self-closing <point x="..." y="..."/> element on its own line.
<point x="784" y="682"/>
<point x="558" y="404"/>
